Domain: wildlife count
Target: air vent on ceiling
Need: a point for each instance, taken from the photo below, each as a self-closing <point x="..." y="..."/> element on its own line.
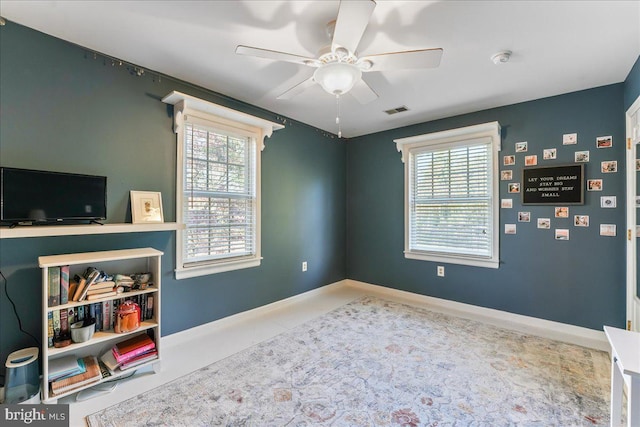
<point x="401" y="109"/>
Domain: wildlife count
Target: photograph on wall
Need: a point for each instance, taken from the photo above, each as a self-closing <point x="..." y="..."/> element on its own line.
<point x="562" y="234"/>
<point x="506" y="175"/>
<point x="531" y="160"/>
<point x="609" y="166"/>
<point x="582" y="156"/>
<point x="549" y="153"/>
<point x="524" y="216"/>
<point x="569" y="138"/>
<point x="544" y="223"/>
<point x="561" y="212"/>
<point x="506" y="203"/>
<point x="608" y="201"/>
<point x="514" y="187"/>
<point x="581" y="220"/>
<point x="608" y="230"/>
<point x="594" y="185"/>
<point x="509" y="160"/>
<point x="146" y="207"/>
<point x="638" y="164"/>
<point x="521" y="147"/>
<point x="509" y="229"/>
<point x="604" y="142"/>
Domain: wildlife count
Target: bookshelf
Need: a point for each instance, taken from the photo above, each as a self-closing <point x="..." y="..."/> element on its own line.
<point x="127" y="261"/>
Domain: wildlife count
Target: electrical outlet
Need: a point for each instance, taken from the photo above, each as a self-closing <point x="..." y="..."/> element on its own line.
<point x="441" y="270"/>
<point x="304" y="265"/>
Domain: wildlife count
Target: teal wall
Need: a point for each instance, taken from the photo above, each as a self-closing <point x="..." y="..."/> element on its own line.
<point x="579" y="282"/>
<point x="62" y="110"/>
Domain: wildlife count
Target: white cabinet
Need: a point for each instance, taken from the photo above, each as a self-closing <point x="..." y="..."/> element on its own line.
<point x="126" y="261"/>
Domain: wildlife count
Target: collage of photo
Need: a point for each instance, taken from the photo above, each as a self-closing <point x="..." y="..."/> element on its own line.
<point x="561" y="213"/>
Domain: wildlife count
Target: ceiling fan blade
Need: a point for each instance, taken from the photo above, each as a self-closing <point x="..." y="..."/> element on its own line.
<point x="276" y="56"/>
<point x="363" y="93"/>
<point x="425" y="58"/>
<point x="353" y="18"/>
<point x="297" y="89"/>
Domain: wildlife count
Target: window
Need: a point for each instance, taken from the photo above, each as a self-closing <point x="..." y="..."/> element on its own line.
<point x="451" y="195"/>
<point x="218" y="186"/>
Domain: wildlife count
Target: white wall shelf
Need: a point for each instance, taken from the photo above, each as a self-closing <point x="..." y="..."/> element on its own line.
<point x="84" y="229"/>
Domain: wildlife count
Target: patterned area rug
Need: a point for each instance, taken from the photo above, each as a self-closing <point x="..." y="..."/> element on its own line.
<point x="378" y="363"/>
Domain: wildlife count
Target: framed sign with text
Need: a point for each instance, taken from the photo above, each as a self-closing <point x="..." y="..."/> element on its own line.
<point x="553" y="185"/>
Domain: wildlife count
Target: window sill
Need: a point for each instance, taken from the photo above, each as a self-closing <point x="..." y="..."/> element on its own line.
<point x="475" y="262"/>
<point x="205" y="270"/>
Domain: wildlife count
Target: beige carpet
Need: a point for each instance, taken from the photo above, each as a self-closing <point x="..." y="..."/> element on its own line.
<point x="378" y="363"/>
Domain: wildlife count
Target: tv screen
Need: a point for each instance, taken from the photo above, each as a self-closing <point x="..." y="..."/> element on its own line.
<point x="43" y="197"/>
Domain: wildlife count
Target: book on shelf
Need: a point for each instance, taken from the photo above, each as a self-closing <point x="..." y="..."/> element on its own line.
<point x="149" y="312"/>
<point x="64" y="367"/>
<point x="64" y="284"/>
<point x="104" y="371"/>
<point x="94" y="297"/>
<point x="92" y="277"/>
<point x="112" y="364"/>
<point x="127" y="350"/>
<point x="56" y="323"/>
<point x="91" y="375"/>
<point x="139" y="360"/>
<point x="106" y="315"/>
<point x="54" y="286"/>
<point x="107" y="285"/>
<point x="109" y="360"/>
<point x="64" y="322"/>
<point x="50" y="329"/>
<point x="82" y="282"/>
<point x="97" y="314"/>
<point x="73" y="287"/>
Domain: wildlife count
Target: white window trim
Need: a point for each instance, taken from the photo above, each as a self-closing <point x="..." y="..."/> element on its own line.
<point x="406" y="145"/>
<point x="186" y="105"/>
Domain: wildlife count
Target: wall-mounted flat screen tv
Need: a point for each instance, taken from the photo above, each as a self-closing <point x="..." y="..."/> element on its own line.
<point x="36" y="197"/>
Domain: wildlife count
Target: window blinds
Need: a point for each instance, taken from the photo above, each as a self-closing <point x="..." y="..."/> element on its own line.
<point x="219" y="195"/>
<point x="450" y="200"/>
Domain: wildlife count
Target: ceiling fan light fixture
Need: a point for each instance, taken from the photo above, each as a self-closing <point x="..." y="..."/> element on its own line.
<point x="337" y="78"/>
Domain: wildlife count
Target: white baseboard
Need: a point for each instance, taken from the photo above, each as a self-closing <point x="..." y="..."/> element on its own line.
<point x="526" y="324"/>
<point x="203" y="330"/>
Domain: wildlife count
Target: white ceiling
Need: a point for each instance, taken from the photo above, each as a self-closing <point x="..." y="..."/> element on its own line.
<point x="558" y="47"/>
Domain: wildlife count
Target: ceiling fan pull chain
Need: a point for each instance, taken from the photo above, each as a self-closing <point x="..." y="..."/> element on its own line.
<point x="338" y="116"/>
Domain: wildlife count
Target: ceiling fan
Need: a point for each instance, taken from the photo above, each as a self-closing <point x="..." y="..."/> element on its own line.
<point x="338" y="67"/>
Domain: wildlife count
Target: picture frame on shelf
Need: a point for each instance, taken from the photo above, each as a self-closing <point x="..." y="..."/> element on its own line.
<point x="146" y="207"/>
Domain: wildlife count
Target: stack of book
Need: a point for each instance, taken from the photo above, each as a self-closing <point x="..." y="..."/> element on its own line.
<point x="101" y="290"/>
<point x="130" y="353"/>
<point x="90" y="375"/>
<point x="65" y="367"/>
<point x="92" y="285"/>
